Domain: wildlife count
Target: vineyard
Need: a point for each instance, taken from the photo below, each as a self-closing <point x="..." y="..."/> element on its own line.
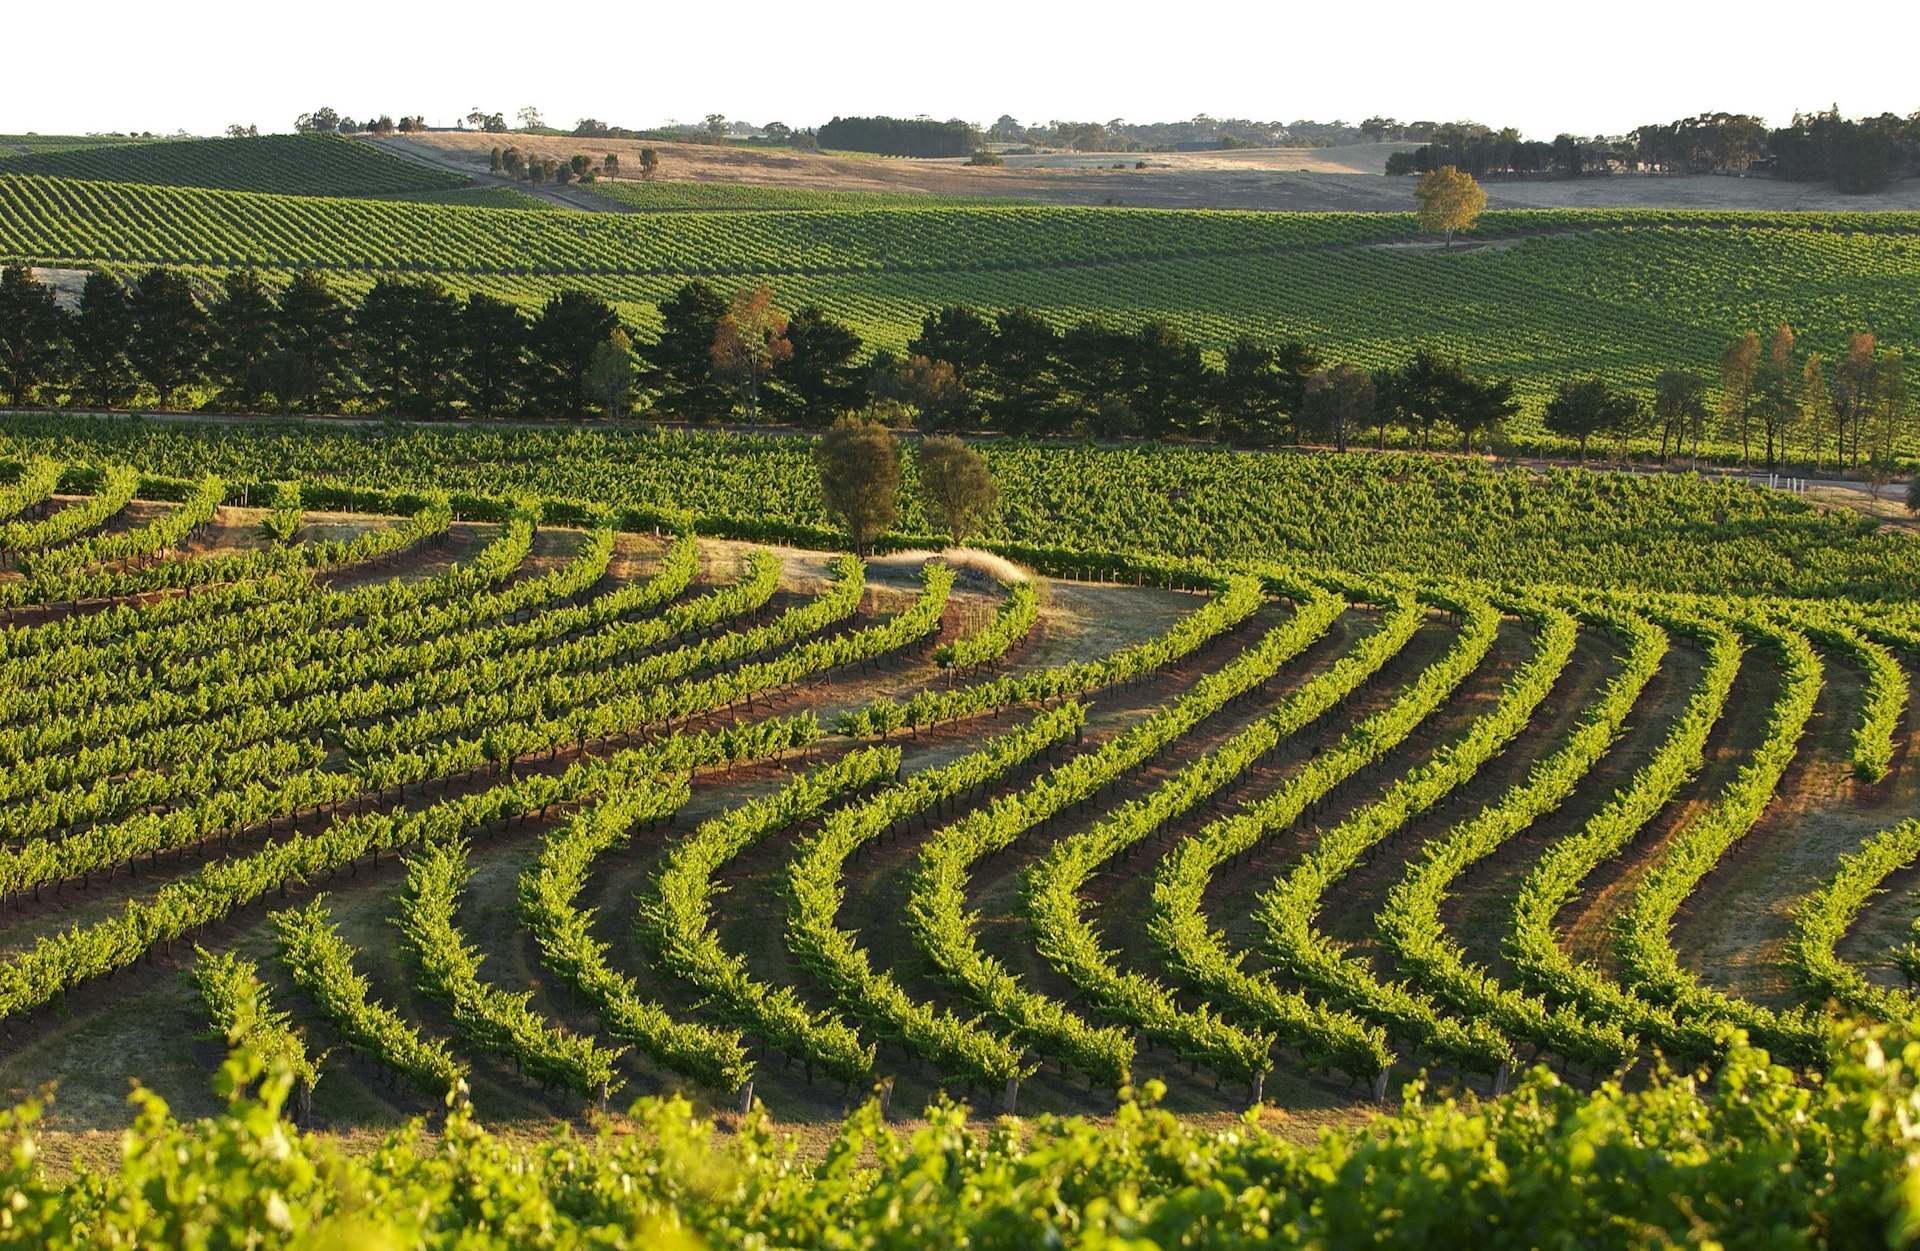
<point x="1551" y="296"/>
<point x="300" y="165"/>
<point x="500" y="778"/>
<point x="545" y="794"/>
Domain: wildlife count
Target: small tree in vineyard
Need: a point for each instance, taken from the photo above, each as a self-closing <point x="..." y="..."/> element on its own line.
<point x="859" y="463"/>
<point x="1448" y="200"/>
<point x="956" y="488"/>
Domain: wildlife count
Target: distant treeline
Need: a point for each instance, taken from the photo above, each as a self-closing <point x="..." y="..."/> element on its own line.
<point x="1854" y="154"/>
<point x="896" y="136"/>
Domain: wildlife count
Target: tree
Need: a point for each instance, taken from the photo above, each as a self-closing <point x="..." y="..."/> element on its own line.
<point x="1419" y="393"/>
<point x="680" y="362"/>
<point x="609" y="380"/>
<point x="312" y="323"/>
<point x="562" y="341"/>
<point x="238" y="131"/>
<point x="323" y="120"/>
<point x="168" y="343"/>
<point x="819" y="379"/>
<point x="408" y="334"/>
<point x="956" y="488"/>
<point x="1448" y="200"/>
<point x="649" y="164"/>
<point x="749" y="343"/>
<point x="1816" y="407"/>
<point x="530" y="119"/>
<point x="715" y="127"/>
<point x="1680" y="407"/>
<point x="30" y="333"/>
<point x="493" y="355"/>
<point x="1852" y="392"/>
<point x="1890" y="404"/>
<point x="1172" y="389"/>
<point x="932" y="389"/>
<point x="1479" y="406"/>
<point x="1020" y="365"/>
<point x="1738" y="363"/>
<point x="1337" y="402"/>
<point x="959" y="335"/>
<point x="242" y="334"/>
<point x="97" y="336"/>
<point x="283" y="374"/>
<point x="1249" y="396"/>
<point x="1580" y="410"/>
<point x="1095" y="364"/>
<point x="1776" y="390"/>
<point x="859" y="464"/>
<point x="610" y="166"/>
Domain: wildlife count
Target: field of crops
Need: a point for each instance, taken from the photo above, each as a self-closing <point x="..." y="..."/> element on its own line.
<point x="524" y="786"/>
<point x="302" y="165"/>
<point x="1564" y="294"/>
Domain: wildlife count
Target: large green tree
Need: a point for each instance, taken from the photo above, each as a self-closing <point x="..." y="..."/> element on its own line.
<point x="1026" y="393"/>
<point x="241" y="335"/>
<point x="956" y="487"/>
<point x="859" y="464"/>
<point x="1338" y="403"/>
<point x="1581" y="409"/>
<point x="493" y="355"/>
<point x="1246" y="402"/>
<point x="314" y="328"/>
<point x="1172" y="388"/>
<point x="820" y="379"/>
<point x="408" y="331"/>
<point x="168" y="343"/>
<point x="1679" y="408"/>
<point x="570" y="328"/>
<point x="30" y="334"/>
<point x="959" y="335"/>
<point x="679" y="364"/>
<point x="97" y="336"/>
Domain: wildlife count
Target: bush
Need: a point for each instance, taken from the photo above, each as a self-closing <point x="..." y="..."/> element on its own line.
<point x="983" y="157"/>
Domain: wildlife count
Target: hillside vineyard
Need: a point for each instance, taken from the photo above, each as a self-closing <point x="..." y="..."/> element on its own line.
<point x="1289" y="777"/>
<point x="1557" y="294"/>
<point x="523" y="825"/>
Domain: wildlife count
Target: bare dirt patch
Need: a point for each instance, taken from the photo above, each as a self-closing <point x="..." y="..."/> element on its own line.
<point x="1343" y="179"/>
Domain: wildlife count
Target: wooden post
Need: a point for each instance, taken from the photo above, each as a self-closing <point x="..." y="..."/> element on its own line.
<point x="1012" y="1094"/>
<point x="1500" y="1081"/>
<point x="746" y="1096"/>
<point x="886" y="1098"/>
<point x="1380" y="1087"/>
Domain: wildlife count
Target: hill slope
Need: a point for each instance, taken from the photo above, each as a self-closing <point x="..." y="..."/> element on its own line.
<point x="285" y="164"/>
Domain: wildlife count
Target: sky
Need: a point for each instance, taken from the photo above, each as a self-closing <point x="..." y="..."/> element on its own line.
<point x="198" y="65"/>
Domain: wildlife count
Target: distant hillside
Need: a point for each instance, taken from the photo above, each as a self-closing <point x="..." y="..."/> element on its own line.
<point x="280" y="164"/>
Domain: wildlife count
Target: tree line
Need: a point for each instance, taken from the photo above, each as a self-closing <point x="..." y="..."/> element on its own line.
<point x="1778" y="403"/>
<point x="1854" y="154"/>
<point x="899" y="136"/>
<point x="409" y="347"/>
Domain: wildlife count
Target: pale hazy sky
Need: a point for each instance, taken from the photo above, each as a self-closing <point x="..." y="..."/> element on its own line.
<point x="199" y="64"/>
